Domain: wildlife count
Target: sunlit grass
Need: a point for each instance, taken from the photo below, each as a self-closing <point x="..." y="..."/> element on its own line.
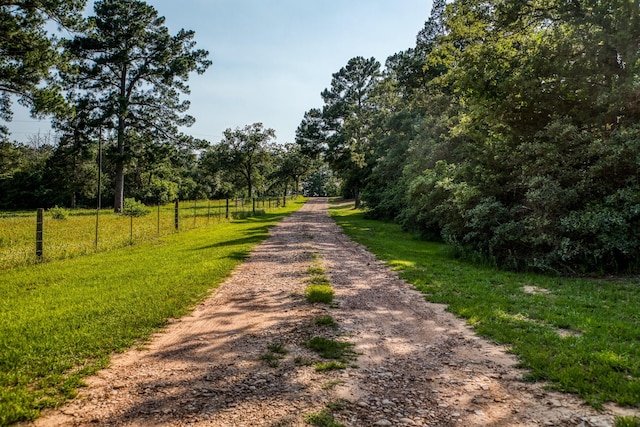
<point x="580" y="335"/>
<point x="76" y="235"/>
<point x="61" y="320"/>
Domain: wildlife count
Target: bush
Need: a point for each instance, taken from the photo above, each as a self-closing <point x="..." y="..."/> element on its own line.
<point x="59" y="213"/>
<point x="132" y="207"/>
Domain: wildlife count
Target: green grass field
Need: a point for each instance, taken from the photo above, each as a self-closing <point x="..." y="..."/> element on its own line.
<point x="77" y="234"/>
<point x="60" y="321"/>
<point x="580" y="335"/>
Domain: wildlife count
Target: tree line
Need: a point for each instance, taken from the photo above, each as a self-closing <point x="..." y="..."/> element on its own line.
<point x="115" y="93"/>
<point x="510" y="130"/>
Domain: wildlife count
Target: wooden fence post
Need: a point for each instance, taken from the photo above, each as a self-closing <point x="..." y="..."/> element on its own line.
<point x="177" y="215"/>
<point x="39" y="233"/>
<point x="227" y="213"/>
<point x="254" y="206"/>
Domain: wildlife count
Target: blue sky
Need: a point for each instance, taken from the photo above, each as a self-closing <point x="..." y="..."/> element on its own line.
<point x="272" y="58"/>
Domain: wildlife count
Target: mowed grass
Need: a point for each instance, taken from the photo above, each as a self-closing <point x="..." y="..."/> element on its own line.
<point x="60" y="321"/>
<point x="76" y="235"/>
<point x="580" y="335"/>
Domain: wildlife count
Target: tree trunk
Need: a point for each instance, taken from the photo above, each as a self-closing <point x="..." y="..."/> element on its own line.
<point x="356" y="194"/>
<point x="118" y="201"/>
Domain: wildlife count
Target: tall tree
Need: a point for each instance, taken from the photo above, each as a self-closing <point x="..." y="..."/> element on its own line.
<point x="347" y="118"/>
<point x="28" y="52"/>
<point x="133" y="72"/>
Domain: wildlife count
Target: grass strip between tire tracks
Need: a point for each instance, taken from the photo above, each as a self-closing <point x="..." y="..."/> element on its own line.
<point x="581" y="335"/>
<point x="60" y="321"/>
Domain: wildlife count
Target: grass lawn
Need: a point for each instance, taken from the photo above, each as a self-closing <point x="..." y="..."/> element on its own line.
<point x="580" y="335"/>
<point x="76" y="235"/>
<point x="61" y="321"/>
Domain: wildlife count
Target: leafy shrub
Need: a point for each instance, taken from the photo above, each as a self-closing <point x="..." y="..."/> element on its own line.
<point x="59" y="213"/>
<point x="132" y="207"/>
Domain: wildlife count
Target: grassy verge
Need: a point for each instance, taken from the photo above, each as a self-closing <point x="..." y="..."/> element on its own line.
<point x="580" y="335"/>
<point x="75" y="235"/>
<point x="60" y="321"/>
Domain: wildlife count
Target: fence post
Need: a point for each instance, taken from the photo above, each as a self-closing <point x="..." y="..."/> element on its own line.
<point x="254" y="206"/>
<point x="158" y="219"/>
<point x="95" y="242"/>
<point x="195" y="206"/>
<point x="208" y="210"/>
<point x="177" y="215"/>
<point x="227" y="213"/>
<point x="39" y="233"/>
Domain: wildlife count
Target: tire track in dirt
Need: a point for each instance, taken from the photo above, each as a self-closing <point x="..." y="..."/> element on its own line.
<point x="418" y="365"/>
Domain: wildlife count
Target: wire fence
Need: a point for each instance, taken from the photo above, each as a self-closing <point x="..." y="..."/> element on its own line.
<point x="26" y="238"/>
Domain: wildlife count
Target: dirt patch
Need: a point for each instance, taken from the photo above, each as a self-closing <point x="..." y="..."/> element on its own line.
<point x="417" y="364"/>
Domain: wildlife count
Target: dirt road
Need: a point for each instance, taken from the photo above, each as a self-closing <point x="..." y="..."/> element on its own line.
<point x="417" y="365"/>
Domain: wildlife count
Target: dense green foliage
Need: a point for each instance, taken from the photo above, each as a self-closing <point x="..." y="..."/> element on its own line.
<point x="579" y="335"/>
<point x="61" y="321"/>
<point x="29" y="53"/>
<point x="509" y="130"/>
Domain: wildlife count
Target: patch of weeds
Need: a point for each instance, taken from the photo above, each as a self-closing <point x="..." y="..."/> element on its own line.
<point x="338" y="405"/>
<point x="323" y="418"/>
<point x="319" y="293"/>
<point x="331" y="349"/>
<point x="319" y="287"/>
<point x="627" y="422"/>
<point x="272" y="360"/>
<point x="301" y="361"/>
<point x="277" y="348"/>
<point x="316" y="270"/>
<point x="319" y="280"/>
<point x="276" y="352"/>
<point x="331" y="365"/>
<point x="326" y="321"/>
<point x="331" y="384"/>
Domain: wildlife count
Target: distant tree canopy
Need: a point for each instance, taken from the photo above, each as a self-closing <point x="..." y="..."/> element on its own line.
<point x="510" y="130"/>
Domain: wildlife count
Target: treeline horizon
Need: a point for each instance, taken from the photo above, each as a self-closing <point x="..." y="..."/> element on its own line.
<point x="511" y="130"/>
